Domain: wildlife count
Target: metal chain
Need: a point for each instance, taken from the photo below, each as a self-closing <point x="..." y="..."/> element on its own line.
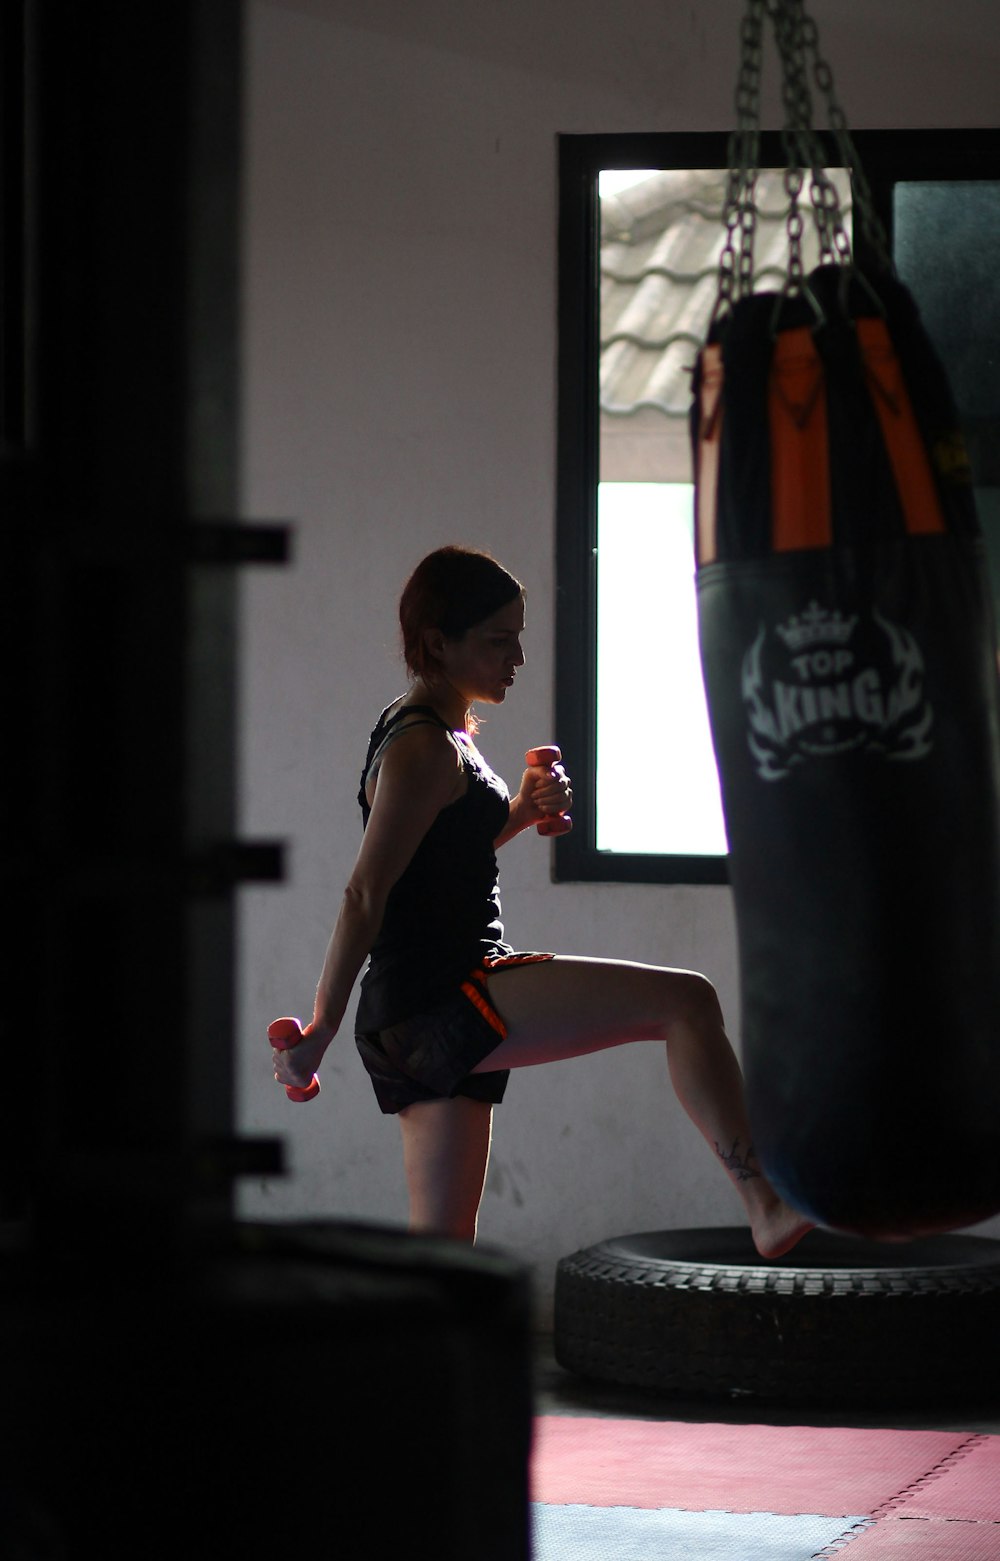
<point x="798" y="117"/>
<point x="789" y="21"/>
<point x="740" y="207"/>
<point x="871" y="223"/>
<point x="797" y="40"/>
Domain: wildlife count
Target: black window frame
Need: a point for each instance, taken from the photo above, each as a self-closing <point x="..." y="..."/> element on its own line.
<point x="887" y="157"/>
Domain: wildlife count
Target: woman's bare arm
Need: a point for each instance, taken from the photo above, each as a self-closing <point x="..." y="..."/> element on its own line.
<point x="544" y="791"/>
<point x="420" y="773"/>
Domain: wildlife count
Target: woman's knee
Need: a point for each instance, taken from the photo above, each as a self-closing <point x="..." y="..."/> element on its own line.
<point x="694" y="1001"/>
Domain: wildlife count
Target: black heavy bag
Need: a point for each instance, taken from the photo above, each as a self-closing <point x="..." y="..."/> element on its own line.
<point x="851" y="673"/>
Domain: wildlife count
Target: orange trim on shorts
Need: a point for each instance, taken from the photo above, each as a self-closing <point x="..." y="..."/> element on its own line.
<point x="479" y="1000"/>
<point x="475" y="988"/>
<point x="502" y="961"/>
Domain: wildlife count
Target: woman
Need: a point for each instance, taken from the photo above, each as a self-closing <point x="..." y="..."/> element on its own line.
<point x="447" y="1007"/>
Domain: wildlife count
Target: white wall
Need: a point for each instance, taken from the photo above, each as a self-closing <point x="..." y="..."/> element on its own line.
<point x="399" y="347"/>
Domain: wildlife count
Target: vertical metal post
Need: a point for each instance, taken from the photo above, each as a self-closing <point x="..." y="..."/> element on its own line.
<point x="120" y="456"/>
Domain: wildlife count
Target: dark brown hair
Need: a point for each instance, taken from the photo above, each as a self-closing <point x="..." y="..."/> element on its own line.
<point x="451" y="589"/>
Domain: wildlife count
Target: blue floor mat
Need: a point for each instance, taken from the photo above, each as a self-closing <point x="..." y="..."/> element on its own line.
<point x="571" y="1533"/>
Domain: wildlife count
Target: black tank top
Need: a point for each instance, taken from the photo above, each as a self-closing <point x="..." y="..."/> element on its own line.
<point x="442" y="917"/>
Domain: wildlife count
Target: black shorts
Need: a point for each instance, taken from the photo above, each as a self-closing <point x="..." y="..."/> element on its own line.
<point x="431" y="1056"/>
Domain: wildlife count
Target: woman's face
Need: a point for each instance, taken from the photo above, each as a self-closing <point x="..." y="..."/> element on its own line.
<point x="482" y="664"/>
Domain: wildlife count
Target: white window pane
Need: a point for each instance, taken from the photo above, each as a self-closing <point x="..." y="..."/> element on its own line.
<point x="657" y="784"/>
<point x="661" y="234"/>
<point x="611" y="180"/>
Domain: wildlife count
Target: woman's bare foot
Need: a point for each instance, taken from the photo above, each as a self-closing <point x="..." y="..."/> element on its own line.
<point x="777" y="1228"/>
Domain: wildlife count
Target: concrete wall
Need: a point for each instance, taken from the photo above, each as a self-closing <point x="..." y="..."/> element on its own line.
<point x="399" y="355"/>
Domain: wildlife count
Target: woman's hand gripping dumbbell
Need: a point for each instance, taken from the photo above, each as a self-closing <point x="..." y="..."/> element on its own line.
<point x="283" y="1034"/>
<point x="548" y="757"/>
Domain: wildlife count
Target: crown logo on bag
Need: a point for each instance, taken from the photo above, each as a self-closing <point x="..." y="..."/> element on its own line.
<point x="816" y="626"/>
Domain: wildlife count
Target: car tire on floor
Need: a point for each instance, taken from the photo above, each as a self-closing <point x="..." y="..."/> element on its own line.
<point x="697" y="1313"/>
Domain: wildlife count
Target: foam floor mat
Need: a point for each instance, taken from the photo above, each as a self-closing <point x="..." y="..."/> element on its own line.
<point x="625" y="1489"/>
<point x="631" y="1534"/>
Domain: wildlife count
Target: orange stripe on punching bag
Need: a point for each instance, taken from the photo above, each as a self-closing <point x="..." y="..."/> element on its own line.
<point x="706" y="477"/>
<point x="907" y="455"/>
<point x="800" y="451"/>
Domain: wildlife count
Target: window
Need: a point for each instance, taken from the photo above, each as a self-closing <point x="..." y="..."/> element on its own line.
<point x="640" y="235"/>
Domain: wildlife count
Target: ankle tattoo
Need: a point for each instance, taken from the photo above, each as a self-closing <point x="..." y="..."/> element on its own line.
<point x="739" y="1166"/>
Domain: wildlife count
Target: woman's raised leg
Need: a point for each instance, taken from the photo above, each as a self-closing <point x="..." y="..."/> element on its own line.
<point x="568" y="1007"/>
<point x="446" y="1149"/>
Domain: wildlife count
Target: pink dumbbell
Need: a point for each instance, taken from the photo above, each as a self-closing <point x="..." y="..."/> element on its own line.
<point x="560" y="823"/>
<point x="283" y="1034"/>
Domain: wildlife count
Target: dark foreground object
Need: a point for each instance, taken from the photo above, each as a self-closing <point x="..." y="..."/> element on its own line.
<point x="301" y="1391"/>
<point x="838" y="1321"/>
